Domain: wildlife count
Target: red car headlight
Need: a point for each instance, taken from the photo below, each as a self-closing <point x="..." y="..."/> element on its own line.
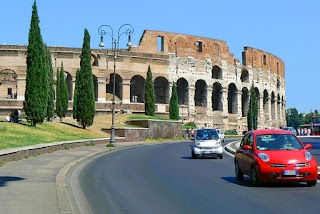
<point x="264" y="157"/>
<point x="308" y="156"/>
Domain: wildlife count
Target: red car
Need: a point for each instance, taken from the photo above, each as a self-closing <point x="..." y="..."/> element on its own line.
<point x="275" y="155"/>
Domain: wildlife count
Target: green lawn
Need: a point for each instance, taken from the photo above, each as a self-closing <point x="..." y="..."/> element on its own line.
<point x="17" y="135"/>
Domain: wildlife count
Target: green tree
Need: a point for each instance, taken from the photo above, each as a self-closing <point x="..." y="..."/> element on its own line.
<point x="62" y="94"/>
<point x="50" y="107"/>
<point x="36" y="93"/>
<point x="174" y="105"/>
<point x="149" y="104"/>
<point x="85" y="99"/>
<point x="252" y="116"/>
<point x="75" y="98"/>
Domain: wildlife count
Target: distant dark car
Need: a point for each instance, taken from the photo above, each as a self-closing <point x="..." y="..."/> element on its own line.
<point x="275" y="155"/>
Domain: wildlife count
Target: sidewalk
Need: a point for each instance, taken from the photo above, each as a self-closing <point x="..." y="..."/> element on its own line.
<point x="37" y="185"/>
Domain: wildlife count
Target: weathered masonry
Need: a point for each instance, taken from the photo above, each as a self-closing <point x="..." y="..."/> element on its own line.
<point x="213" y="87"/>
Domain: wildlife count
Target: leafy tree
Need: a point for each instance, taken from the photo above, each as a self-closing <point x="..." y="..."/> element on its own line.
<point x="149" y="104"/>
<point x="36" y="93"/>
<point x="75" y="98"/>
<point x="174" y="105"/>
<point x="50" y="107"/>
<point x="252" y="116"/>
<point x="85" y="99"/>
<point x="62" y="94"/>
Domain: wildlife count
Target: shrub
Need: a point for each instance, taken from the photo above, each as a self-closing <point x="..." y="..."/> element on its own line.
<point x="231" y="132"/>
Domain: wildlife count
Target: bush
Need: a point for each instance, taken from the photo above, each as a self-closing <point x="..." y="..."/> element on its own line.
<point x="231" y="132"/>
<point x="189" y="125"/>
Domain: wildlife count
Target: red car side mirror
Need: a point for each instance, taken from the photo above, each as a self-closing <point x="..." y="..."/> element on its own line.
<point x="247" y="147"/>
<point x="308" y="146"/>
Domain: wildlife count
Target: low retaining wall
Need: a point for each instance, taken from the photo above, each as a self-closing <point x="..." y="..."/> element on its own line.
<point x="152" y="129"/>
<point x="13" y="154"/>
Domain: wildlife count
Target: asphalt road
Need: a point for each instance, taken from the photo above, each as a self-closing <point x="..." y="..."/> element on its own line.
<point x="164" y="179"/>
<point x="315" y="141"/>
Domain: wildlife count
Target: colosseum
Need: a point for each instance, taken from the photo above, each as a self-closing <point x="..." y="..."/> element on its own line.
<point x="213" y="87"/>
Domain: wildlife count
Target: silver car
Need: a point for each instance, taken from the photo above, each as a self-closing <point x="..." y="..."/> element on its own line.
<point x="291" y="129"/>
<point x="206" y="143"/>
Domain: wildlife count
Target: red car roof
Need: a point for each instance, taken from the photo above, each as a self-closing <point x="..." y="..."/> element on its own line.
<point x="270" y="131"/>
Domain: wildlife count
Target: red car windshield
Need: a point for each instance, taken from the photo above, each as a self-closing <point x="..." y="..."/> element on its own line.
<point x="278" y="142"/>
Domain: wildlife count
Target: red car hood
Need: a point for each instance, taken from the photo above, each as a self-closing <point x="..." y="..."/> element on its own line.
<point x="286" y="156"/>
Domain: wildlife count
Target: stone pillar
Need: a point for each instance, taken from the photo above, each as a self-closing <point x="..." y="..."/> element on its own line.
<point x="126" y="90"/>
<point x="260" y="113"/>
<point x="191" y="99"/>
<point x="101" y="89"/>
<point x="224" y="100"/>
<point x="21" y="86"/>
<point x="239" y="110"/>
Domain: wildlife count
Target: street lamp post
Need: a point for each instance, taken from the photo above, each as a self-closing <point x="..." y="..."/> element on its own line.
<point x="103" y="30"/>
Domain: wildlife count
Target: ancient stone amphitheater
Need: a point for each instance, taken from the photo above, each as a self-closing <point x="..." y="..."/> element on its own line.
<point x="213" y="87"/>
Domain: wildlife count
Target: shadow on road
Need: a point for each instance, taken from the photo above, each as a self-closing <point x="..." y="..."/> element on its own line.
<point x="246" y="182"/>
<point x="5" y="179"/>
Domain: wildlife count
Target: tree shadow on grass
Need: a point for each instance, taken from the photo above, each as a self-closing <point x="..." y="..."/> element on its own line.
<point x="70" y="124"/>
<point x="5" y="179"/>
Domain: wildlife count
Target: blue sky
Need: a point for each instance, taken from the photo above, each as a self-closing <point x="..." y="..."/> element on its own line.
<point x="289" y="29"/>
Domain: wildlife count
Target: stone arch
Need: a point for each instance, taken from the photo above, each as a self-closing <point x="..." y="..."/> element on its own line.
<point x="232" y="99"/>
<point x="216" y="72"/>
<point x="69" y="85"/>
<point x="200" y="97"/>
<point x="137" y="91"/>
<point x="8" y="84"/>
<point x="183" y="92"/>
<point x="244" y="76"/>
<point x="161" y="90"/>
<point x="245" y="101"/>
<point x="94" y="60"/>
<point x="217" y="104"/>
<point x="118" y="86"/>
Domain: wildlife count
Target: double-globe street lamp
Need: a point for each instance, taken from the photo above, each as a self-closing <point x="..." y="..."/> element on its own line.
<point x="103" y="30"/>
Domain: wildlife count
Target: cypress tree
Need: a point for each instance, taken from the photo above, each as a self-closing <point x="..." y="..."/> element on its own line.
<point x="36" y="93"/>
<point x="75" y="98"/>
<point x="252" y="117"/>
<point x="85" y="89"/>
<point x="149" y="104"/>
<point x="50" y="107"/>
<point x="174" y="105"/>
<point x="62" y="94"/>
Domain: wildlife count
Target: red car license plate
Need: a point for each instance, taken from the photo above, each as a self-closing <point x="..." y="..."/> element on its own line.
<point x="290" y="172"/>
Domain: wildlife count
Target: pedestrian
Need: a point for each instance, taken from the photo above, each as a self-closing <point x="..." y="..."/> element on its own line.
<point x="298" y="131"/>
<point x="192" y="133"/>
<point x="188" y="133"/>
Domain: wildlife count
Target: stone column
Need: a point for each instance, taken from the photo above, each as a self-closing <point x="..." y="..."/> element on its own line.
<point x="126" y="90"/>
<point x="191" y="99"/>
<point x="21" y="86"/>
<point x="101" y="89"/>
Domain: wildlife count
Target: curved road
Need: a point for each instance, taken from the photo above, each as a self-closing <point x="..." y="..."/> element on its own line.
<point x="164" y="179"/>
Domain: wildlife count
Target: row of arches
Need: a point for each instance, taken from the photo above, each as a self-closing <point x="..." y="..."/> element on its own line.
<point x="162" y="89"/>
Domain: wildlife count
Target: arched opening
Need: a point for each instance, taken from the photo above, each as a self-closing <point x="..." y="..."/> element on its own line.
<point x="273" y="106"/>
<point x="244" y="76"/>
<point x="200" y="97"/>
<point x="8" y="84"/>
<point x="265" y="102"/>
<point x="161" y="90"/>
<point x="217" y="104"/>
<point x="137" y="89"/>
<point x="232" y="99"/>
<point x="245" y="102"/>
<point x="118" y="87"/>
<point x="69" y="85"/>
<point x="183" y="91"/>
<point x="216" y="72"/>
